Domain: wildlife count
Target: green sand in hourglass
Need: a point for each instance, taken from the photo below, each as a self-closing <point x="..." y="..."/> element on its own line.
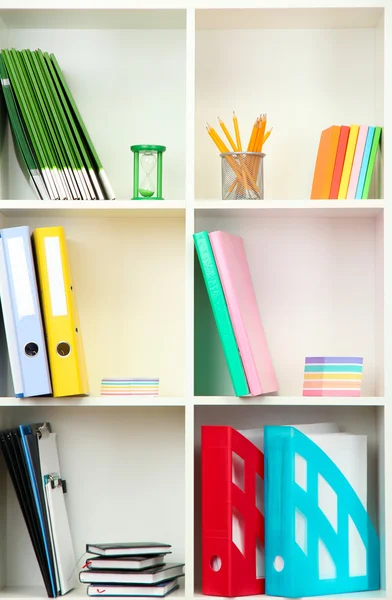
<point x="147" y="166"/>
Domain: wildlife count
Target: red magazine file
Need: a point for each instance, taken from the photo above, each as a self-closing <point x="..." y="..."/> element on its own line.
<point x="226" y="570"/>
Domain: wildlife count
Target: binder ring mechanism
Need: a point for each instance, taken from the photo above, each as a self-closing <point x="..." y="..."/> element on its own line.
<point x="63" y="349"/>
<point x="31" y="349"/>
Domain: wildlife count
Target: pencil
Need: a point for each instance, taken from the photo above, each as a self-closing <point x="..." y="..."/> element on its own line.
<point x="253" y="136"/>
<point x="237" y="132"/>
<point x="227" y="133"/>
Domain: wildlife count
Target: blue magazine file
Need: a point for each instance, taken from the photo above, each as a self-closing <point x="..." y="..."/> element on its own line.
<point x="292" y="562"/>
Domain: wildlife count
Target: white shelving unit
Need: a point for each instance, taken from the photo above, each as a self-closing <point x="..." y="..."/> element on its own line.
<point x="154" y="72"/>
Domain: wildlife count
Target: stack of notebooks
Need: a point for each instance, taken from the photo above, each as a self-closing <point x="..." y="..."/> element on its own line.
<point x="345" y="162"/>
<point x="333" y="376"/>
<point x="51" y="140"/>
<point x="30" y="454"/>
<point x="40" y="314"/>
<point x="229" y="285"/>
<point x="130" y="387"/>
<point x="133" y="569"/>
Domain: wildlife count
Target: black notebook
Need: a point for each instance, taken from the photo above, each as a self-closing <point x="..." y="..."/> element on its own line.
<point x="139" y="591"/>
<point x="129" y="563"/>
<point x="146" y="577"/>
<point x="128" y="549"/>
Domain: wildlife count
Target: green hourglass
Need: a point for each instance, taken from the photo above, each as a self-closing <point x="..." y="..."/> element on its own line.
<point x="147" y="172"/>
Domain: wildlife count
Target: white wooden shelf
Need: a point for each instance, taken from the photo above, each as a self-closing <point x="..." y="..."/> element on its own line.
<point x="322" y="269"/>
<point x="38" y="593"/>
<point x="294" y="208"/>
<point x="287" y="401"/>
<point x="90" y="401"/>
<point x="92" y="208"/>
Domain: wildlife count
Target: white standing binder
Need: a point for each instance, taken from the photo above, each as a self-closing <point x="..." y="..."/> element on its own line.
<point x="62" y="545"/>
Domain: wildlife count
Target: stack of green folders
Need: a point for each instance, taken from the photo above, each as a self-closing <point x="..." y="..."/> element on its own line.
<point x="51" y="140"/>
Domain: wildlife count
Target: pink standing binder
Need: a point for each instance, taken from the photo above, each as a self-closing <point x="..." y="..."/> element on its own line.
<point x="230" y="258"/>
<point x="352" y="187"/>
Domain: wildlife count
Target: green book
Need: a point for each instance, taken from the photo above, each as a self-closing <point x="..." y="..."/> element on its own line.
<point x="372" y="160"/>
<point x="221" y="312"/>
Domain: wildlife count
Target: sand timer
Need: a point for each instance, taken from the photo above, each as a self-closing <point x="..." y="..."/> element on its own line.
<point x="147" y="172"/>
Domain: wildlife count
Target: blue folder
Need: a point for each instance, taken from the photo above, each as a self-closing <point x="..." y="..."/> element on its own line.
<point x="29" y="351"/>
<point x="292" y="570"/>
<point x="31" y="452"/>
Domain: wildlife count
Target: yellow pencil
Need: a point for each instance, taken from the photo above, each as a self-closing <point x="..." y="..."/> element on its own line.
<point x="262" y="132"/>
<point x="253" y="135"/>
<point x="267" y="135"/>
<point x="237" y="132"/>
<point x="227" y="133"/>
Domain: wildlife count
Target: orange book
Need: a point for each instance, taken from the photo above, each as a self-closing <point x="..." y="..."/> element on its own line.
<point x="339" y="162"/>
<point x="325" y="163"/>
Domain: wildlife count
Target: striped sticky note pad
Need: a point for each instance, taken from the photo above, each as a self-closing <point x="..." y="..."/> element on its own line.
<point x="333" y="376"/>
<point x="130" y="387"/>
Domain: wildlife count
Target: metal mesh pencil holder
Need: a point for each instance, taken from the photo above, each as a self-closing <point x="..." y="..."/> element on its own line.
<point x="242" y="176"/>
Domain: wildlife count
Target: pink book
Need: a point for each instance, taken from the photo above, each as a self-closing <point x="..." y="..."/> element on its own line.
<point x="230" y="258"/>
<point x="356" y="168"/>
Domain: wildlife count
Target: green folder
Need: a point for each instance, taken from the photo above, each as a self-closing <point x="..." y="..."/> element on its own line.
<point x="46" y="121"/>
<point x="83" y="130"/>
<point x="32" y="122"/>
<point x="69" y="119"/>
<point x="371" y="163"/>
<point x="23" y="149"/>
<point x="221" y="312"/>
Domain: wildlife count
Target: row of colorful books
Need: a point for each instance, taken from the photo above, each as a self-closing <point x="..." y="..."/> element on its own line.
<point x="285" y="512"/>
<point x="130" y="569"/>
<point x="51" y="140"/>
<point x="345" y="162"/>
<point x="233" y="301"/>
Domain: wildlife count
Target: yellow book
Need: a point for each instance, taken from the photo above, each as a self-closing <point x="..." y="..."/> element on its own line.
<point x="348" y="162"/>
<point x="60" y="313"/>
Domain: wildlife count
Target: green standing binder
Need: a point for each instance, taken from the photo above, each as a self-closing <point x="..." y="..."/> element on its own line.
<point x="372" y="160"/>
<point x="221" y="312"/>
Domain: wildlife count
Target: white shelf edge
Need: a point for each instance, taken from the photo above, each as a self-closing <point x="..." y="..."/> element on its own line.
<point x="38" y="593"/>
<point x="289" y="401"/>
<point x="90" y="401"/>
<point x="332" y="208"/>
<point x="115" y="208"/>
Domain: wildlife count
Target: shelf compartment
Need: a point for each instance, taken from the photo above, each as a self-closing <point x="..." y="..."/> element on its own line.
<point x="130" y="291"/>
<point x="134" y="56"/>
<point x="331" y="61"/>
<point x="367" y="420"/>
<point x="319" y="287"/>
<point x="114" y="461"/>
